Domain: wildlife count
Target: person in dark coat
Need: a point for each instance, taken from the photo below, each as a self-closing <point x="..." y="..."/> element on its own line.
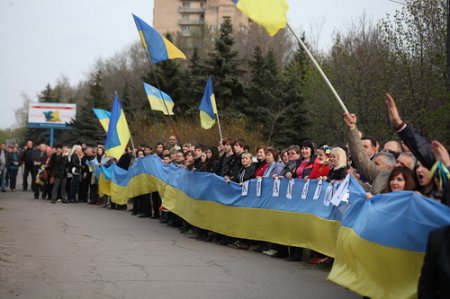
<point x="57" y="166"/>
<point x="75" y="168"/>
<point x="28" y="157"/>
<point x="212" y="160"/>
<point x="245" y="172"/>
<point x="86" y="175"/>
<point x="434" y="282"/>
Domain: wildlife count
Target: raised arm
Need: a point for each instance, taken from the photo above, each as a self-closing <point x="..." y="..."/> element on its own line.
<point x="365" y="167"/>
<point x="419" y="146"/>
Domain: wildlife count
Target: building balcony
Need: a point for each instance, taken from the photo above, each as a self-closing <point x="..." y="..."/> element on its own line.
<point x="191" y="10"/>
<point x="191" y="22"/>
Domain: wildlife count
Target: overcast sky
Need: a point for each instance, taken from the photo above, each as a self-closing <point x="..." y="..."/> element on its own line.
<point x="46" y="39"/>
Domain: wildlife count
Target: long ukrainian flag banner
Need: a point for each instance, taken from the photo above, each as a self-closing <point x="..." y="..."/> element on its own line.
<point x="378" y="245"/>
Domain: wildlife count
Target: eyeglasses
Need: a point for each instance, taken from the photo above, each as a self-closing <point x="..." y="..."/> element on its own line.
<point x="292" y="153"/>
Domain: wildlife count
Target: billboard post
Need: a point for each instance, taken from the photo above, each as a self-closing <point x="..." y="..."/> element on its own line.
<point x="51" y="116"/>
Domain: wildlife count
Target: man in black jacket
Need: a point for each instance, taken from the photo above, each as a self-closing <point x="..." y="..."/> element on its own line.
<point x="86" y="175"/>
<point x="29" y="156"/>
<point x="58" y="174"/>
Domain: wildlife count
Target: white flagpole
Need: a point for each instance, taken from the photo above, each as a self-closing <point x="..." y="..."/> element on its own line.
<point x="319" y="69"/>
<point x="218" y="124"/>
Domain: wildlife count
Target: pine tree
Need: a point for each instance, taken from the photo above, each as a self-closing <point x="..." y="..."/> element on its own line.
<point x="276" y="98"/>
<point x="223" y="64"/>
<point x="291" y="126"/>
<point x="263" y="87"/>
<point x="194" y="83"/>
<point x="86" y="127"/>
<point x="126" y="103"/>
<point x="97" y="97"/>
<point x="49" y="95"/>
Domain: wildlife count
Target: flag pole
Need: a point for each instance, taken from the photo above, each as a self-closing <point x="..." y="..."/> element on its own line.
<point x="161" y="133"/>
<point x="131" y="137"/>
<point x="174" y="129"/>
<point x="217" y="110"/>
<point x="302" y="44"/>
<point x="218" y="125"/>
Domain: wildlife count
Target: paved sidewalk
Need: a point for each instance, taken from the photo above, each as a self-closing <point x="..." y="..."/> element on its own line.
<point x="83" y="251"/>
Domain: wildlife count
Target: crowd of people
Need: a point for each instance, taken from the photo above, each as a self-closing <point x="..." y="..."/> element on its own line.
<point x="66" y="174"/>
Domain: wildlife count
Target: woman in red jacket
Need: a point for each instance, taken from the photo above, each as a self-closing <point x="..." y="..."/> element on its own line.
<point x="321" y="166"/>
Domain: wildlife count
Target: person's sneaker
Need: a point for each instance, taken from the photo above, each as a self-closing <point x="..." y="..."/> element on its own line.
<point x="238" y="245"/>
<point x="269" y="252"/>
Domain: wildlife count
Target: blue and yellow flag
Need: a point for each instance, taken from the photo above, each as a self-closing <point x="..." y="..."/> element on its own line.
<point x="271" y="14"/>
<point x="157" y="47"/>
<point x="208" y="108"/>
<point x="103" y="117"/>
<point x="159" y="100"/>
<point x="118" y="133"/>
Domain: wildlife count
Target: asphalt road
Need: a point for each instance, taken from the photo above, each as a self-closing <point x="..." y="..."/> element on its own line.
<point x="82" y="251"/>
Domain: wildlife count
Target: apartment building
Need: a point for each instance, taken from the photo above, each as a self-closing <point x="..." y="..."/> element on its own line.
<point x="193" y="18"/>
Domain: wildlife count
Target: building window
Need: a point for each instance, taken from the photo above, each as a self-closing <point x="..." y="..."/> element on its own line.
<point x="202" y="17"/>
<point x="186" y="4"/>
<point x="212" y="28"/>
<point x="242" y="29"/>
<point x="185" y="17"/>
<point x="202" y="4"/>
<point x="185" y="29"/>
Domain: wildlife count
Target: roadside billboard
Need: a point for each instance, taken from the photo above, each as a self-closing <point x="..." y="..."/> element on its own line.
<point x="51" y="115"/>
